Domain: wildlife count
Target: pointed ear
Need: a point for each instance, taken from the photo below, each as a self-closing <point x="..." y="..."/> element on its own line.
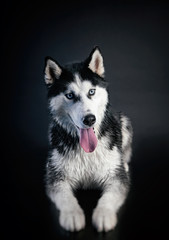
<point x="96" y="62"/>
<point x="52" y="70"/>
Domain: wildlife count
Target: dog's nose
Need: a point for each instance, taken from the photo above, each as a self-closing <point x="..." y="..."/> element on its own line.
<point x="89" y="120"/>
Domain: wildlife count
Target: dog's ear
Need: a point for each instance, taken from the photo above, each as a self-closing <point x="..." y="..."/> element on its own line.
<point x="52" y="71"/>
<point x="95" y="62"/>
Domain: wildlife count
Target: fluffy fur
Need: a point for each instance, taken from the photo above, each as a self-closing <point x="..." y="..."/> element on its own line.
<point x="75" y="92"/>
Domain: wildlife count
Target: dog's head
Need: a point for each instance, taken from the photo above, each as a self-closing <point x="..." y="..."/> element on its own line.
<point x="78" y="96"/>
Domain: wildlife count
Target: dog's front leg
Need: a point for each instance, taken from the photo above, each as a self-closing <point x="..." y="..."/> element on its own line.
<point x="71" y="215"/>
<point x="105" y="214"/>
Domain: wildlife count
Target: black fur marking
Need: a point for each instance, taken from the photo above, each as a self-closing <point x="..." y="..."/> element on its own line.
<point x="95" y="79"/>
<point x="62" y="140"/>
<point x="86" y="74"/>
<point x="123" y="176"/>
<point x="67" y="76"/>
<point x="111" y="126"/>
<point x="76" y="98"/>
<point x="60" y="85"/>
<point x="53" y="174"/>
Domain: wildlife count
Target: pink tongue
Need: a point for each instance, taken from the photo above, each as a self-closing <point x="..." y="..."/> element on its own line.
<point x="88" y="140"/>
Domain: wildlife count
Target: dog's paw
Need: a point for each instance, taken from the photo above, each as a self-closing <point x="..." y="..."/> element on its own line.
<point x="72" y="220"/>
<point x="104" y="219"/>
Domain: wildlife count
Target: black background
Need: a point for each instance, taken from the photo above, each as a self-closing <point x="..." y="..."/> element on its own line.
<point x="134" y="39"/>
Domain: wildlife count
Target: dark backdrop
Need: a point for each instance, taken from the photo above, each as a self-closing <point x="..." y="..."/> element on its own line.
<point x="134" y="39"/>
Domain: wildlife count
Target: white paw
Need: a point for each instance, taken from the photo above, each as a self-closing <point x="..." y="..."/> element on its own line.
<point x="72" y="220"/>
<point x="104" y="219"/>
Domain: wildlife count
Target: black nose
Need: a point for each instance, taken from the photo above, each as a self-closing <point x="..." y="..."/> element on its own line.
<point x="89" y="120"/>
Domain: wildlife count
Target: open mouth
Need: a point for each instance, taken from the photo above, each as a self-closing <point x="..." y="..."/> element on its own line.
<point x="88" y="140"/>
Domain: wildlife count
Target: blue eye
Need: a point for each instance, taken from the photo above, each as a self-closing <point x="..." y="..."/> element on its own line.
<point x="69" y="96"/>
<point x="92" y="92"/>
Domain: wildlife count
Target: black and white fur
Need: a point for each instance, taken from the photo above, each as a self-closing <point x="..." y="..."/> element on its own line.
<point x="69" y="166"/>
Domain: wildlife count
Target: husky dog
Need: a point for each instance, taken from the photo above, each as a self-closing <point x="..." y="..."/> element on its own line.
<point x="89" y="146"/>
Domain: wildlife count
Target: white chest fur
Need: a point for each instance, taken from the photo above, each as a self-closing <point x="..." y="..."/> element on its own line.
<point x="86" y="168"/>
